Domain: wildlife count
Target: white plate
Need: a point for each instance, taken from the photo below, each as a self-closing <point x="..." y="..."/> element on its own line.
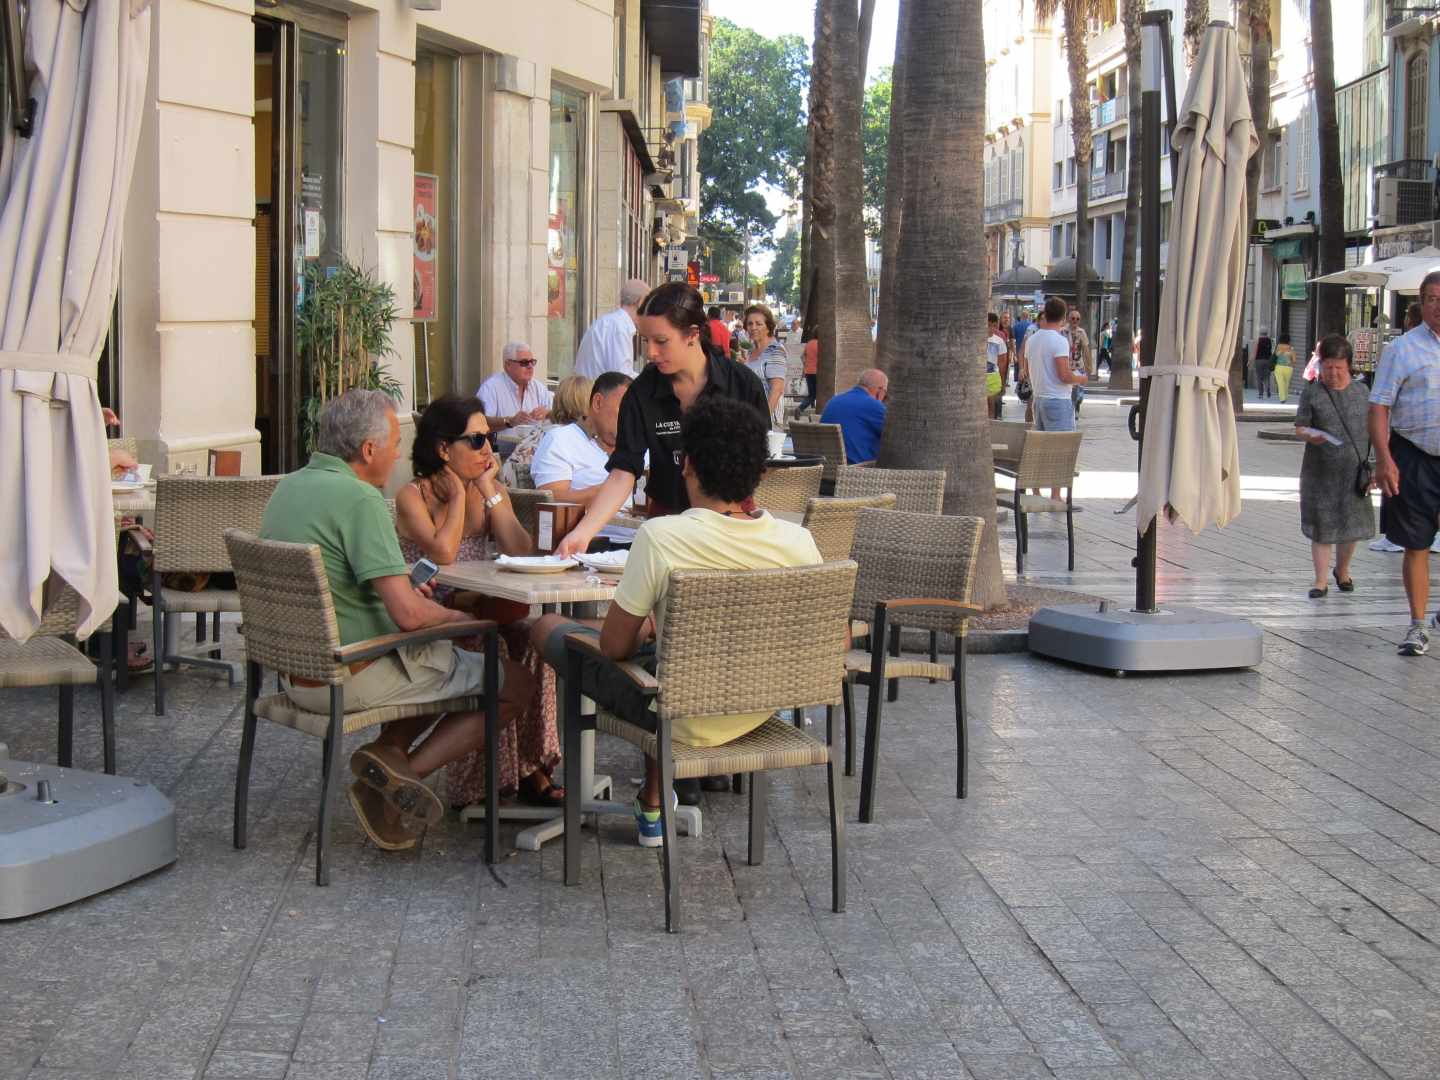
<point x="535" y="564"/>
<point x="119" y="487"/>
<point x="606" y="562"/>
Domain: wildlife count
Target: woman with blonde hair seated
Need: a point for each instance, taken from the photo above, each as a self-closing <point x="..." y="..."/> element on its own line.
<point x="572" y="397"/>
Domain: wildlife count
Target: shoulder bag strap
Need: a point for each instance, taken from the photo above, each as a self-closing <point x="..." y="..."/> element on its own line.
<point x="1341" y="416"/>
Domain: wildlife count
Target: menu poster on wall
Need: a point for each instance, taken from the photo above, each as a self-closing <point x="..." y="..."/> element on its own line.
<point x="555" y="257"/>
<point x="312" y="202"/>
<point x="427" y="244"/>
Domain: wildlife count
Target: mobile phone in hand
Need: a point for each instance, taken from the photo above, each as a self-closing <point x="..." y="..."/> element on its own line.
<point x="422" y="572"/>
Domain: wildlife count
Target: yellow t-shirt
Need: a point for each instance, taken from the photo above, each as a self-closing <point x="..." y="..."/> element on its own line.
<point x="704" y="540"/>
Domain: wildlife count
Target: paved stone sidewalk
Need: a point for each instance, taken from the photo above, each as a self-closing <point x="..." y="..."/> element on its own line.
<point x="1182" y="877"/>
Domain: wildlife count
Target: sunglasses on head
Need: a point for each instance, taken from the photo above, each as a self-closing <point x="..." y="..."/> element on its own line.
<point x="522" y="363"/>
<point x="476" y="439"/>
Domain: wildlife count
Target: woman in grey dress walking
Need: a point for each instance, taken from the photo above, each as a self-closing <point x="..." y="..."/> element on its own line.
<point x="1334" y="512"/>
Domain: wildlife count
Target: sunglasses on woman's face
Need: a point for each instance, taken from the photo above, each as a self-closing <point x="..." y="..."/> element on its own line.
<point x="476" y="439"/>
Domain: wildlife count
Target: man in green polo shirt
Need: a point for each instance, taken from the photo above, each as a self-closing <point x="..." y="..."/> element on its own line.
<point x="335" y="503"/>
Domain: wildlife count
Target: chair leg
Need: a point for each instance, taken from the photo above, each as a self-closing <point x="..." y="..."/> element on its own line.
<point x="1070" y="534"/>
<point x="492" y="748"/>
<point x="668" y="856"/>
<point x="331" y="769"/>
<point x="759" y="817"/>
<point x="797" y="717"/>
<point x="158" y="617"/>
<point x="65" y="752"/>
<point x="120" y="647"/>
<point x="962" y="722"/>
<point x="253" y="675"/>
<point x="872" y="731"/>
<point x="107" y="699"/>
<point x="847" y="691"/>
<point x="1019" y="542"/>
<point x="200" y="628"/>
<point x="570" y="732"/>
<point x="737" y="783"/>
<point x="893" y="686"/>
<point x="934" y="649"/>
<point x="837" y="835"/>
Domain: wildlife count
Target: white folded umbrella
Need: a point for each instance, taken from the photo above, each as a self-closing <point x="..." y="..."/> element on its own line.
<point x="1190" y="460"/>
<point x="62" y="209"/>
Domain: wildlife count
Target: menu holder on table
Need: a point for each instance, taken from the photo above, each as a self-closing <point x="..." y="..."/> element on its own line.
<point x="553" y="520"/>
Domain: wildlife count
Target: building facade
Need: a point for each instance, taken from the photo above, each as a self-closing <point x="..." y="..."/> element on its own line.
<point x="496" y="165"/>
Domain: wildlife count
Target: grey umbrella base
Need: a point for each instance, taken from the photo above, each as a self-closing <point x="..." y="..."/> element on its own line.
<point x="95" y="832"/>
<point x="1172" y="639"/>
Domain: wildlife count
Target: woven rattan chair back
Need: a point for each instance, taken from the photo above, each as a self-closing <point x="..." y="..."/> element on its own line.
<point x="832" y="522"/>
<point x="1049" y="459"/>
<point x="128" y="443"/>
<point x="819" y="440"/>
<point x="1012" y="434"/>
<point x="60" y="614"/>
<point x="193" y="512"/>
<point x="285" y="603"/>
<point x="738" y="641"/>
<point x="916" y="491"/>
<point x="788" y="489"/>
<point x="523" y="479"/>
<point x="908" y="556"/>
<point x="525" y="502"/>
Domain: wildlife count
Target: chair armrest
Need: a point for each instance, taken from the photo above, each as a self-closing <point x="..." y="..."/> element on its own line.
<point x="863" y="464"/>
<point x="926" y="602"/>
<point x="371" y="648"/>
<point x="1007" y="470"/>
<point x="586" y="643"/>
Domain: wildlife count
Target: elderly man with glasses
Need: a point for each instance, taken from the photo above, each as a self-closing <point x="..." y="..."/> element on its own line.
<point x="513" y="395"/>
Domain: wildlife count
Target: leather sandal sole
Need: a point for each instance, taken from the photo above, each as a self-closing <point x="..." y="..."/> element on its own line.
<point x="406" y="794"/>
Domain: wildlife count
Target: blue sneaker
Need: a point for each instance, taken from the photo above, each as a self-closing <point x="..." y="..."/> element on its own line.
<point x="649" y="830"/>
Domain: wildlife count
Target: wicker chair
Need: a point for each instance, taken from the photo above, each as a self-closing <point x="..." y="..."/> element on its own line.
<point x="524" y="502"/>
<point x="915" y="570"/>
<point x="523" y="480"/>
<point x="1048" y="461"/>
<point x="832" y="522"/>
<point x="785" y="629"/>
<point x="290" y="627"/>
<point x="788" y="489"/>
<point x="1012" y="434"/>
<point x="917" y="491"/>
<point x="50" y="658"/>
<point x="811" y="439"/>
<point x="191" y="516"/>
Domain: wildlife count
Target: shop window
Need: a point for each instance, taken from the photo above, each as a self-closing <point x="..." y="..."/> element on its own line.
<point x="434" y="320"/>
<point x="564" y="307"/>
<point x="1057" y="240"/>
<point x="1058" y="180"/>
<point x="1417" y="82"/>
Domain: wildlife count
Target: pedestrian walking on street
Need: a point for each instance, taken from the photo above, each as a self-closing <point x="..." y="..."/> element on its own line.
<point x="1412" y="320"/>
<point x="609" y="343"/>
<point x="1335" y="513"/>
<point x="1264" y="364"/>
<point x="1405" y="431"/>
<point x="1047" y="365"/>
<point x="1284" y="366"/>
<point x="811" y="353"/>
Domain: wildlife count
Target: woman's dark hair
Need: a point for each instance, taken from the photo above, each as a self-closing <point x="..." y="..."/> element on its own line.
<point x="764" y="312"/>
<point x="1284" y="339"/>
<point x="1413" y="316"/>
<point x="443" y="421"/>
<point x="712" y="312"/>
<point x="724" y="441"/>
<point x="1336" y="347"/>
<point x="682" y="307"/>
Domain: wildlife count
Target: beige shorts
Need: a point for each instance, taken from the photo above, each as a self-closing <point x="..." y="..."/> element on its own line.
<point x="412" y="675"/>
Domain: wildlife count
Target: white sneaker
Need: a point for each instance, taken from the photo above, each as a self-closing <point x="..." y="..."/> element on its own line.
<point x="1435" y="545"/>
<point x="1383" y="544"/>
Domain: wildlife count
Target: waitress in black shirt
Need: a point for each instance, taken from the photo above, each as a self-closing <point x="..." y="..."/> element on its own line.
<point x="683" y="366"/>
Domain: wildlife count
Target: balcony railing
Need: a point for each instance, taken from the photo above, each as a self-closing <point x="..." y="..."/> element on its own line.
<point x="1006" y="211"/>
<point x="1406" y="169"/>
<point x="1104" y="186"/>
<point x="1110" y="112"/>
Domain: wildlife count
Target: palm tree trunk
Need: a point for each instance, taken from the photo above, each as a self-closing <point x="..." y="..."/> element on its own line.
<point x="821" y="310"/>
<point x="1258" y="16"/>
<point x="1077" y="53"/>
<point x="867" y="20"/>
<point x="894" y="190"/>
<point x="854" y="347"/>
<point x="1329" y="299"/>
<point x="1122" y="344"/>
<point x="937" y="341"/>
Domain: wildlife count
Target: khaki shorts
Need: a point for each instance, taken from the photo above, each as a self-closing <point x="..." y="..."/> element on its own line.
<point x="412" y="675"/>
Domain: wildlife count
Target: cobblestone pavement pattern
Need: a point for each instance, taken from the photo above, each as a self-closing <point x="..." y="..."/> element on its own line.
<point x="1180" y="878"/>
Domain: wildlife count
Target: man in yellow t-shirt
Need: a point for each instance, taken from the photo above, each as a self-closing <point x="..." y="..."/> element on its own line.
<point x="724" y="450"/>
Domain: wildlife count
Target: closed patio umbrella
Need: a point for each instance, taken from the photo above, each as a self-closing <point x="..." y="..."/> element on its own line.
<point x="62" y="207"/>
<point x="1190" y="461"/>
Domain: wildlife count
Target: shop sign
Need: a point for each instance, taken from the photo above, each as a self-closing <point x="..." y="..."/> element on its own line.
<point x="675" y="259"/>
<point x="1292" y="281"/>
<point x="692" y="274"/>
<point x="710" y="279"/>
<point x="1289" y="248"/>
<point x="1394" y="246"/>
<point x="427" y="244"/>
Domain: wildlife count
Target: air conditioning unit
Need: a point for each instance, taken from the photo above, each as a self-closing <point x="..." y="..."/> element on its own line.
<point x="1403" y="202"/>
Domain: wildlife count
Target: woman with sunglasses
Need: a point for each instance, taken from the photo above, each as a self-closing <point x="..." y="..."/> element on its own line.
<point x="682" y="367"/>
<point x="445" y="514"/>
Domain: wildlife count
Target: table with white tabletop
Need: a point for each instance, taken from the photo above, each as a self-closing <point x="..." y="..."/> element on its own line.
<point x="549" y="590"/>
<point x="138" y="501"/>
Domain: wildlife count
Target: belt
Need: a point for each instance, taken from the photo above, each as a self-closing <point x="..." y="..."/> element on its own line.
<point x="355" y="669"/>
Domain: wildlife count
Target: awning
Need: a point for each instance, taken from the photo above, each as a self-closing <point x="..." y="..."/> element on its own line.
<point x="673" y="27"/>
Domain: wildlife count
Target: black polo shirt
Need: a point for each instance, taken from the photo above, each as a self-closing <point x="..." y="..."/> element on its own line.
<point x="650" y="421"/>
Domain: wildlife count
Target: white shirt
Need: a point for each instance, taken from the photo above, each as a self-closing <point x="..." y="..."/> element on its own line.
<point x="500" y="396"/>
<point x="994" y="349"/>
<point x="570" y="453"/>
<point x="609" y="345"/>
<point x="1041" y="349"/>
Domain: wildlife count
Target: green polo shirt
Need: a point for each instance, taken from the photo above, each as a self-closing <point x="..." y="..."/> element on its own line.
<point x="325" y="503"/>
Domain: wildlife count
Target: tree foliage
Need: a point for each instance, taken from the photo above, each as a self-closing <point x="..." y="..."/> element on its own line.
<point x="875" y="136"/>
<point x="783" y="280"/>
<point x="758" y="88"/>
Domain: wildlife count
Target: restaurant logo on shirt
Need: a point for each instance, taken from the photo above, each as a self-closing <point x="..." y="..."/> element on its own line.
<point x="667" y="427"/>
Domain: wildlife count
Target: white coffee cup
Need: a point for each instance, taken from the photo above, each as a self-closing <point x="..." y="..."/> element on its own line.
<point x="144" y="473"/>
<point x="776" y="443"/>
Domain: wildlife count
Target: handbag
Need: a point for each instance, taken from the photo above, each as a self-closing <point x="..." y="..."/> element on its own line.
<point x="1364" y="469"/>
<point x="1023" y="390"/>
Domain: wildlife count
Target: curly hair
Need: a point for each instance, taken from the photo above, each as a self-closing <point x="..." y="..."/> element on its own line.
<point x="443" y="421"/>
<point x="764" y="312"/>
<point x="724" y="441"/>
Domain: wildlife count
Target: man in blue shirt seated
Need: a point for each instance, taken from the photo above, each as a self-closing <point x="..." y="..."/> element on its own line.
<point x="860" y="412"/>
